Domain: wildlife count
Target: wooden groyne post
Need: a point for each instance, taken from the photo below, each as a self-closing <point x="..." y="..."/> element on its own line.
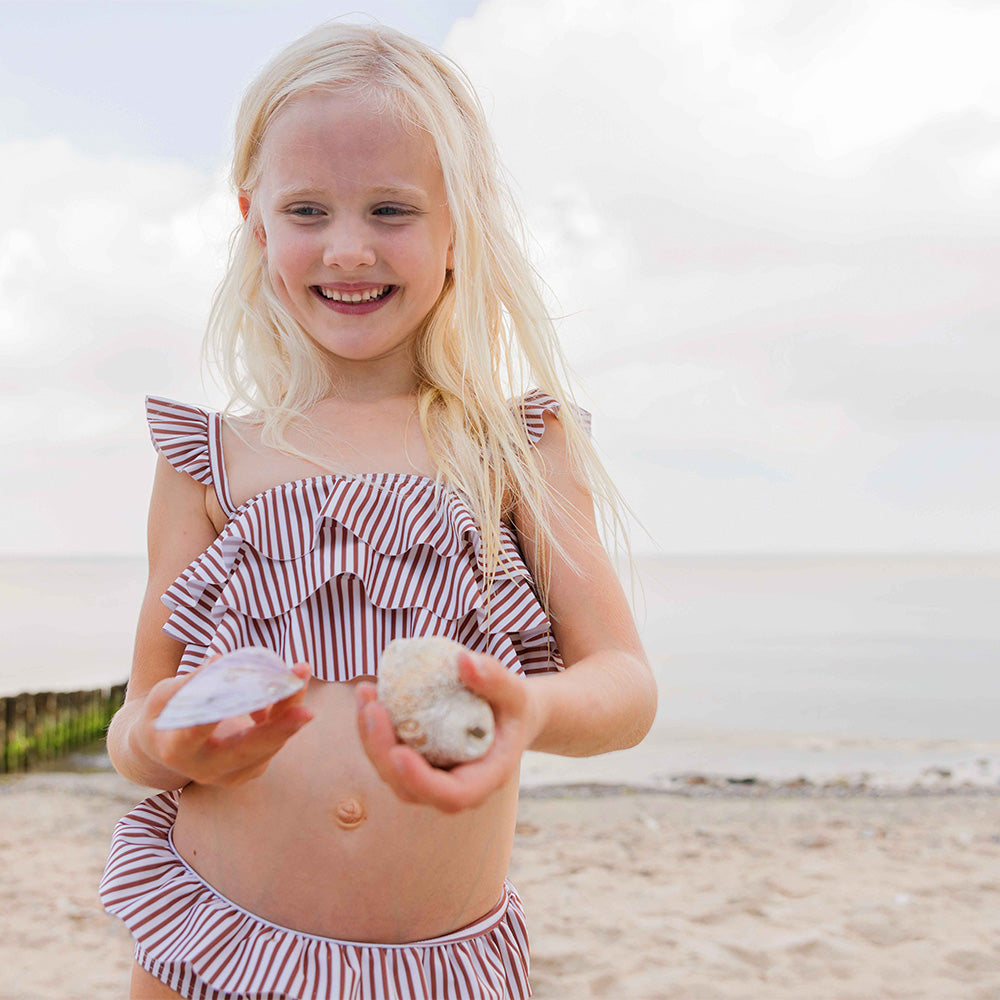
<point x="38" y="727"/>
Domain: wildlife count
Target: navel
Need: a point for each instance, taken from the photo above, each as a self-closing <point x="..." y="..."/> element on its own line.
<point x="349" y="814"/>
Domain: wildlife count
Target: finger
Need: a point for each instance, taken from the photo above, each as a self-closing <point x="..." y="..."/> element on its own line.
<point x="365" y="693"/>
<point x="490" y="679"/>
<point x="235" y="761"/>
<point x="157" y="700"/>
<point x="479" y="779"/>
<point x="376" y="731"/>
<point x="301" y="670"/>
<point x="411" y="777"/>
<point x="235" y="778"/>
<point x="163" y="691"/>
<point x="304" y="673"/>
<point x="379" y="740"/>
<point x="258" y="742"/>
<point x="463" y="787"/>
<point x="230" y="757"/>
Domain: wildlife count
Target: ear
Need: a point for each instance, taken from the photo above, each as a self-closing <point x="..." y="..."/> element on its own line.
<point x="258" y="229"/>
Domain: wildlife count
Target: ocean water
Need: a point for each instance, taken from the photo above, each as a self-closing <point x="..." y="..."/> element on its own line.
<point x="891" y="646"/>
<point x="764" y="662"/>
<point x="67" y="624"/>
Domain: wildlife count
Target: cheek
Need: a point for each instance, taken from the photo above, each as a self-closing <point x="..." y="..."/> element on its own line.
<point x="277" y="281"/>
<point x="288" y="261"/>
<point x="424" y="258"/>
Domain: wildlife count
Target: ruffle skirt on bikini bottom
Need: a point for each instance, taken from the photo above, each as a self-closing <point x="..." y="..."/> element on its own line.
<point x="206" y="947"/>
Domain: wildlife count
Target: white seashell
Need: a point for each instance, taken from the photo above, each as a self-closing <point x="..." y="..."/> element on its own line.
<point x="235" y="684"/>
<point x="432" y="710"/>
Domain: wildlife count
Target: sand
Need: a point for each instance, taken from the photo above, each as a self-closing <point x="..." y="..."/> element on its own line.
<point x="756" y="892"/>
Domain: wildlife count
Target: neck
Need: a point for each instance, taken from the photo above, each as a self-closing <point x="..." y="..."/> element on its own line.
<point x="373" y="381"/>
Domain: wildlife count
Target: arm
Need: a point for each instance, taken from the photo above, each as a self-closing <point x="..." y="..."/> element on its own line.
<point x="604" y="700"/>
<point x="179" y="530"/>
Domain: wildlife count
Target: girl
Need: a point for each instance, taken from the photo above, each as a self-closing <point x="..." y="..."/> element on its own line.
<point x="376" y="318"/>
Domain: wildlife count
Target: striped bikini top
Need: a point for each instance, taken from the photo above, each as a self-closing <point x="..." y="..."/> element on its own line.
<point x="331" y="568"/>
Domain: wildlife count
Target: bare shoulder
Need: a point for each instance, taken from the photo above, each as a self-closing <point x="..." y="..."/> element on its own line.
<point x="242" y="452"/>
<point x="179" y="527"/>
<point x="178" y="531"/>
<point x="252" y="466"/>
<point x="552" y="447"/>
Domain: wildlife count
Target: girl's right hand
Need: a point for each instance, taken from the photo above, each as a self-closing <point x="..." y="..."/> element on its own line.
<point x="225" y="753"/>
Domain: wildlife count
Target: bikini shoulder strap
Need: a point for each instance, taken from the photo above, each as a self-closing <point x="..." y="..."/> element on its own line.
<point x="535" y="404"/>
<point x="187" y="436"/>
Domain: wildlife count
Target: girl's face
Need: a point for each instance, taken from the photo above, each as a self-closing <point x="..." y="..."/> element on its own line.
<point x="354" y="222"/>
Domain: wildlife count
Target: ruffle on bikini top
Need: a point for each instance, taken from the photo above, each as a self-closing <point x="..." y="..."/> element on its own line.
<point x="330" y="569"/>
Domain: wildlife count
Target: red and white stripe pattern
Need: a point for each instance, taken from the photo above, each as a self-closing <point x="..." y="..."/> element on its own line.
<point x="330" y="569"/>
<point x="535" y="404"/>
<point x="206" y="947"/>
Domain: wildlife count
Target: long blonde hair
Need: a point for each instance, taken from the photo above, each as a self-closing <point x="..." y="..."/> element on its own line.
<point x="488" y="337"/>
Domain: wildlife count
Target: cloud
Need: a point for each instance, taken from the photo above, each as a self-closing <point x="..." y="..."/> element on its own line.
<point x="107" y="266"/>
<point x="106" y="270"/>
<point x="773" y="231"/>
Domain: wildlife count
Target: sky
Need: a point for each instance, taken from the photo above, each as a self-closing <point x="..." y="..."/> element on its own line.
<point x="771" y="231"/>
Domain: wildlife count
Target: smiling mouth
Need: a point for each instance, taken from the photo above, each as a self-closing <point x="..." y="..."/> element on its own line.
<point x="375" y="294"/>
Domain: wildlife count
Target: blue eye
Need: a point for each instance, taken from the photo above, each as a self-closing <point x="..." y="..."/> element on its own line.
<point x="388" y="211"/>
<point x="306" y="211"/>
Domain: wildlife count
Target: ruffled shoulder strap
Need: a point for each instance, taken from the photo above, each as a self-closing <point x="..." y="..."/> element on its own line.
<point x="190" y="439"/>
<point x="535" y="404"/>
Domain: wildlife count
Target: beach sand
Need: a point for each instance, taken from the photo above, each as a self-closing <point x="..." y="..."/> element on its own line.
<point x="752" y="892"/>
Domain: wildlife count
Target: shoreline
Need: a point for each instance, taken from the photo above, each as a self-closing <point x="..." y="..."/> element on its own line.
<point x="704" y="764"/>
<point x="691" y="786"/>
<point x="706" y="787"/>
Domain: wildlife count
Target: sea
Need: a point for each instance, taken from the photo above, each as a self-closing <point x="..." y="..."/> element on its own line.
<point x="771" y="668"/>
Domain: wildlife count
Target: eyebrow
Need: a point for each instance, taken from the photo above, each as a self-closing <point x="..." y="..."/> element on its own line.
<point x="405" y="192"/>
<point x="381" y="191"/>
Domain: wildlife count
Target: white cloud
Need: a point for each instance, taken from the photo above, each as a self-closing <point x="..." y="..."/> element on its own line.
<point x="106" y="270"/>
<point x="107" y="267"/>
<point x="772" y="228"/>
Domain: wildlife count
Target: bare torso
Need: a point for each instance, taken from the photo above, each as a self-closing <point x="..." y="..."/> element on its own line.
<point x="319" y="843"/>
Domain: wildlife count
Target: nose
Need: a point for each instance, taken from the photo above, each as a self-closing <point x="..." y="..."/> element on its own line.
<point x="348" y="246"/>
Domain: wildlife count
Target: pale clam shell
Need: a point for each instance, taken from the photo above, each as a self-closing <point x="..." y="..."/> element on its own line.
<point x="235" y="684"/>
<point x="429" y="706"/>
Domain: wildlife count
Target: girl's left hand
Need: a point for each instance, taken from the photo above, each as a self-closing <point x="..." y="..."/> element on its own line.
<point x="464" y="786"/>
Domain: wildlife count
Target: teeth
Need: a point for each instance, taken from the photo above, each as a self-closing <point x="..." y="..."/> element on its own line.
<point x="366" y="296"/>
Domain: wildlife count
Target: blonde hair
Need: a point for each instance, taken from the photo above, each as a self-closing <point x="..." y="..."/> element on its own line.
<point x="489" y="335"/>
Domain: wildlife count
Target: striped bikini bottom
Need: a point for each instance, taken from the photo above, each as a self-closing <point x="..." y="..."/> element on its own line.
<point x="206" y="947"/>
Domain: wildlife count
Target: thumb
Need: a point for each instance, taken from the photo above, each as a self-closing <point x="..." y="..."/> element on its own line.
<point x="490" y="679"/>
<point x="163" y="691"/>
